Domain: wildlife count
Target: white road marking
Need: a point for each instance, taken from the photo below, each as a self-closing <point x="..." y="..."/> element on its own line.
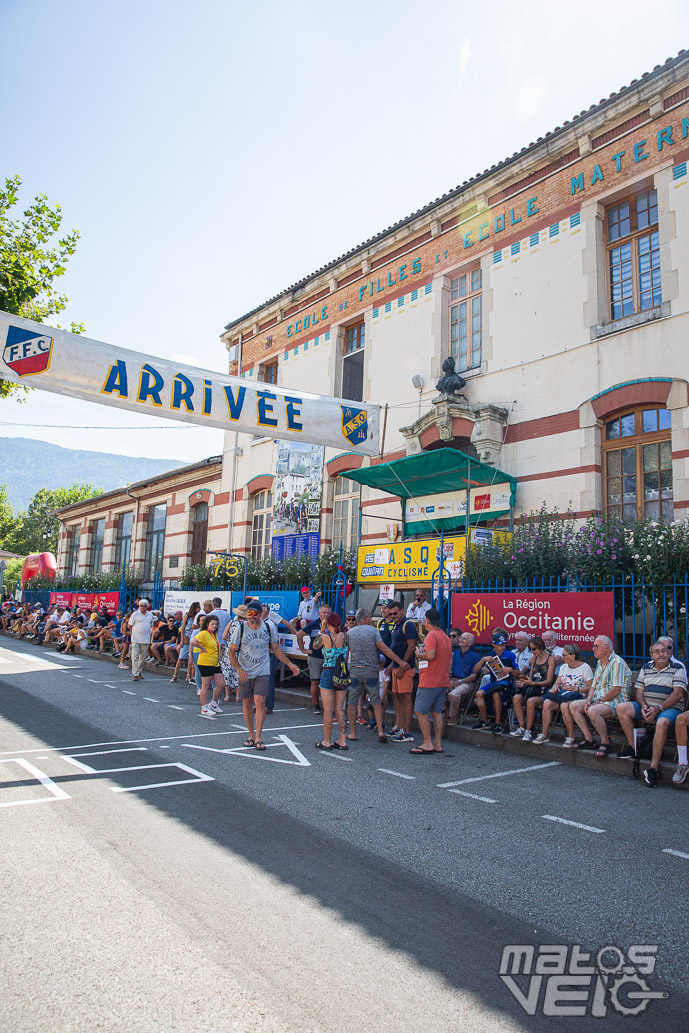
<point x="106" y="753"/>
<point x="676" y="853"/>
<point x="336" y="754"/>
<point x="499" y="774"/>
<point x="199" y="777"/>
<point x="397" y="774"/>
<point x="173" y="707"/>
<point x="473" y="796"/>
<point x="77" y="676"/>
<point x="575" y="824"/>
<point x="150" y="700"/>
<point x="95" y="681"/>
<point x="33" y="659"/>
<point x="56" y="792"/>
<point x="108" y="686"/>
<point x="129" y="692"/>
<point x="251" y="751"/>
<point x="160" y="738"/>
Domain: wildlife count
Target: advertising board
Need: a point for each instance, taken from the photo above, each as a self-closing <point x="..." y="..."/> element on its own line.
<point x="575" y="616"/>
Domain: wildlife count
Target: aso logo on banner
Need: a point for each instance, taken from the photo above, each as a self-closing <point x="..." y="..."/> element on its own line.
<point x="575" y="616"/>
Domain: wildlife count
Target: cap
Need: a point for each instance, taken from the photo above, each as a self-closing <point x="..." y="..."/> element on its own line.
<point x="305" y="589"/>
<point x="351" y="613"/>
<point x="253" y="609"/>
<point x="498" y="640"/>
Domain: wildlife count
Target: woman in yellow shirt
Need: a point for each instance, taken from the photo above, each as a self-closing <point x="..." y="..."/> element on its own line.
<point x="208" y="662"/>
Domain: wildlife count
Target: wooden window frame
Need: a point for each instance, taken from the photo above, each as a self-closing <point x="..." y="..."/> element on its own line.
<point x="353" y="494"/>
<point x="268" y="372"/>
<point x="260" y="530"/>
<point x="637" y="442"/>
<point x="633" y="237"/>
<point x="466" y="289"/>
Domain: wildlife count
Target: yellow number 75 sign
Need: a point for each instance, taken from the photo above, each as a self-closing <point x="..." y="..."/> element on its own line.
<point x="227" y="566"/>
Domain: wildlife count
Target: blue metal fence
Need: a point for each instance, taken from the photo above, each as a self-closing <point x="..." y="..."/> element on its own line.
<point x="643" y="610"/>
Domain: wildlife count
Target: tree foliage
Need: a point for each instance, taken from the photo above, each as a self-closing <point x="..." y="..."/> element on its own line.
<point x="31" y="259"/>
<point x="37" y="529"/>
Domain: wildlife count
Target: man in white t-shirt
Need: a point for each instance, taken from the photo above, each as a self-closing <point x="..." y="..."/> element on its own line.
<point x="417" y="610"/>
<point x="309" y="605"/>
<point x="141" y="626"/>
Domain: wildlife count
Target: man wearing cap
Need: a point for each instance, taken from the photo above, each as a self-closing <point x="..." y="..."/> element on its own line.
<point x="250" y="647"/>
<point x="309" y="605"/>
<point x="270" y="615"/>
<point x="315" y="661"/>
<point x="141" y="627"/>
<point x="502" y="670"/>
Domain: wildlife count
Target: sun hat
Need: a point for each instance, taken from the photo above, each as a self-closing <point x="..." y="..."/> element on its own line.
<point x="241" y="611"/>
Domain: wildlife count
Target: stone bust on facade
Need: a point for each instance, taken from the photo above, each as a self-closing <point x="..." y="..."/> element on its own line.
<point x="451" y="383"/>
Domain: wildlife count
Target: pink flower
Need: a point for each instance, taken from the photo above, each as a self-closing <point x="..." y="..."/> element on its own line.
<point x="600" y="552"/>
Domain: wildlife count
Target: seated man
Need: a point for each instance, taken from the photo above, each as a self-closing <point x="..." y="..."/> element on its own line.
<point x="550" y="639"/>
<point x="464" y="660"/>
<point x="171" y="647"/>
<point x="522" y="653"/>
<point x="610" y="687"/>
<point x="501" y="667"/>
<point x="74" y="639"/>
<point x="659" y="689"/>
<point x="56" y="625"/>
<point x="682" y="734"/>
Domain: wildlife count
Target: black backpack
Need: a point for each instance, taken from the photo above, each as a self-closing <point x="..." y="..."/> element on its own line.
<point x="241" y="632"/>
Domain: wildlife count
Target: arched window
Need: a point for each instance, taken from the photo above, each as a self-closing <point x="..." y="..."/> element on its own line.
<point x="261" y="511"/>
<point x="346" y="513"/>
<point x="637" y="465"/>
<point x="199" y="533"/>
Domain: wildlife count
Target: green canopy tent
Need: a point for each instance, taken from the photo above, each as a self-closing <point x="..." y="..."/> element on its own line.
<point x="454" y="479"/>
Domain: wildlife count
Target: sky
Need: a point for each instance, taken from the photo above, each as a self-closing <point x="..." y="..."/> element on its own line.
<point x="213" y="153"/>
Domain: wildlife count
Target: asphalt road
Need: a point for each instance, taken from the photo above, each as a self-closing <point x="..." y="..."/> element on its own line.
<point x="159" y="877"/>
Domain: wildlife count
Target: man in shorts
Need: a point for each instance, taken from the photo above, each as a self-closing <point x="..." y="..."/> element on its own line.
<point x="434" y="658"/>
<point x="251" y="644"/>
<point x="404" y="641"/>
<point x="365" y="647"/>
<point x="315" y="661"/>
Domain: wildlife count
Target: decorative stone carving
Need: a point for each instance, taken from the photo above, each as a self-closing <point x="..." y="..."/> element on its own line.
<point x="487" y="424"/>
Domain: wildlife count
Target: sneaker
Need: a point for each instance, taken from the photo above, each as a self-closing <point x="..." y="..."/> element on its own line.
<point x="527" y="736"/>
<point x="651" y="777"/>
<point x="406" y="737"/>
<point x="497" y="730"/>
<point x="206" y="712"/>
<point x="517" y="733"/>
<point x="198" y="692"/>
<point x="680" y="774"/>
<point x="626" y="753"/>
<point x="372" y="726"/>
<point x="569" y="742"/>
<point x="122" y="667"/>
<point x="401" y="737"/>
<point x="214" y="707"/>
<point x="480" y="724"/>
<point x="541" y="738"/>
<point x="317" y="710"/>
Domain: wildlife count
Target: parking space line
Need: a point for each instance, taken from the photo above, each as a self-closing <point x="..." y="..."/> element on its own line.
<point x="676" y="853"/>
<point x="499" y="774"/>
<point x="56" y="792"/>
<point x="473" y="796"/>
<point x="574" y="824"/>
<point x="397" y="774"/>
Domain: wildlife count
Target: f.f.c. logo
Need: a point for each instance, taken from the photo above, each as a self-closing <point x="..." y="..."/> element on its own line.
<point x="27" y="353"/>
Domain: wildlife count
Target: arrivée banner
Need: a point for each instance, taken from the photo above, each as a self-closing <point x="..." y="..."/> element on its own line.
<point x="575" y="616"/>
<point x="69" y="364"/>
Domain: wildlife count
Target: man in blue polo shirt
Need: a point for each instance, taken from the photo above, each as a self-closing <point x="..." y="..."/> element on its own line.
<point x="501" y="668"/>
<point x="462" y="681"/>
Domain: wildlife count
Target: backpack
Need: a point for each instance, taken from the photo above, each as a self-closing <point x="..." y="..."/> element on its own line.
<point x="241" y="632"/>
<point x="341" y="676"/>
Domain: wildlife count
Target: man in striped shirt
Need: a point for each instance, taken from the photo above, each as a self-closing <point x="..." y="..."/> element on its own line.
<point x="660" y="688"/>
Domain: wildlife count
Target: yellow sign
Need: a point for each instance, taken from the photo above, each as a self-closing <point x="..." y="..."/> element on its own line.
<point x="407" y="561"/>
<point x="416" y="561"/>
<point x="225" y="566"/>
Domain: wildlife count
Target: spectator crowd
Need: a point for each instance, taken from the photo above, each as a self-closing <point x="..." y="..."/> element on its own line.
<point x="356" y="667"/>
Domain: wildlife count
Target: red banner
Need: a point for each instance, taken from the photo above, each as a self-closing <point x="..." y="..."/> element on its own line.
<point x="575" y="616"/>
<point x="110" y="600"/>
<point x="83" y="599"/>
<point x="61" y="598"/>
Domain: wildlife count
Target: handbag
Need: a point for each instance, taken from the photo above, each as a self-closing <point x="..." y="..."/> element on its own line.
<point x="341" y="677"/>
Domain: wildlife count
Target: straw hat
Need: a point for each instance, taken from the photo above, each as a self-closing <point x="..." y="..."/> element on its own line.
<point x="241" y="611"/>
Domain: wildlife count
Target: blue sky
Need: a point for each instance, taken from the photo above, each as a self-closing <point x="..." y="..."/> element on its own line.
<point x="213" y="153"/>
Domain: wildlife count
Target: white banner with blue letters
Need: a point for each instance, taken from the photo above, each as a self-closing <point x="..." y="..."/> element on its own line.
<point x="55" y="360"/>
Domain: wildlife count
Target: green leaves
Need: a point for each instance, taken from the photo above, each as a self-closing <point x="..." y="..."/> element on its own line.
<point x="29" y="262"/>
<point x="37" y="529"/>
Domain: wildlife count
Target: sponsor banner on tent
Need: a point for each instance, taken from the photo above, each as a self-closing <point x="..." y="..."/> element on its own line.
<point x="575" y="616"/>
<point x="485" y="500"/>
<point x="175" y="600"/>
<point x="148" y="384"/>
<point x="60" y="598"/>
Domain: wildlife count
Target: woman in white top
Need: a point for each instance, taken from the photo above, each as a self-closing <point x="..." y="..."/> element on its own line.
<point x="573" y="682"/>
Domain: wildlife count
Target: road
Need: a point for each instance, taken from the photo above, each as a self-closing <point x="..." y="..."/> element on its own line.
<point x="159" y="877"/>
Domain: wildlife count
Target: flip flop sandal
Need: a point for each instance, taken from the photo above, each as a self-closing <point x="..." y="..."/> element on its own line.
<point x="250" y="742"/>
<point x="417" y="750"/>
<point x="336" y="746"/>
<point x="259" y="744"/>
<point x="322" y="746"/>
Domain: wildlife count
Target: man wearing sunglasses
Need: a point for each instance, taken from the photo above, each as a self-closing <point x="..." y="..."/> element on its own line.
<point x="417" y="610"/>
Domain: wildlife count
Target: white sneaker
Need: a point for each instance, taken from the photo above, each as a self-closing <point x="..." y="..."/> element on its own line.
<point x="517" y="733"/>
<point x="680" y="774"/>
<point x="206" y="712"/>
<point x="569" y="742"/>
<point x="214" y="707"/>
<point x="527" y="736"/>
<point x="198" y="692"/>
<point x="541" y="738"/>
